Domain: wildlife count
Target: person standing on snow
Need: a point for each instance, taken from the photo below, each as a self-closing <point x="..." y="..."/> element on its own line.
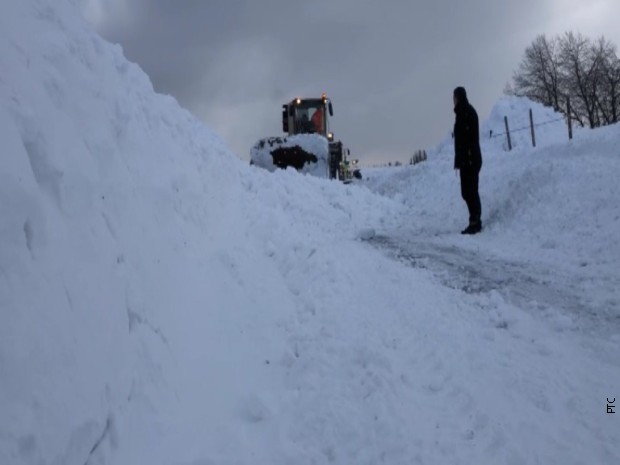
<point x="467" y="156"/>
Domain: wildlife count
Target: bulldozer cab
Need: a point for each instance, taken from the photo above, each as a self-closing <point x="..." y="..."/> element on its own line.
<point x="323" y="158"/>
<point x="307" y="116"/>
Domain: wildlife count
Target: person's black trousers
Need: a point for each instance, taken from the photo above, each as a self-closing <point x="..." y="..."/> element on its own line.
<point x="469" y="191"/>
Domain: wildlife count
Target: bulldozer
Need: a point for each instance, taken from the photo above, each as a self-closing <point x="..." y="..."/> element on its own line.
<point x="309" y="145"/>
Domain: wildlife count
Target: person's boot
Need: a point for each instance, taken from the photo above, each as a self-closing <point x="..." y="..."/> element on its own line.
<point x="473" y="228"/>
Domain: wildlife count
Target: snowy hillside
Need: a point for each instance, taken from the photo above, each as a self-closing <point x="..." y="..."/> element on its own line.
<point x="549" y="127"/>
<point x="163" y="302"/>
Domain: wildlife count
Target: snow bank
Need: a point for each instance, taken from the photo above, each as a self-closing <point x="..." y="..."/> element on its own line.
<point x="141" y="263"/>
<point x="550" y="127"/>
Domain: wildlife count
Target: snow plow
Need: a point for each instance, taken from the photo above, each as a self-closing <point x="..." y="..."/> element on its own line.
<point x="309" y="146"/>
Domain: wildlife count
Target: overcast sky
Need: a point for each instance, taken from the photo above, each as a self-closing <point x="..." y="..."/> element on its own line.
<point x="389" y="66"/>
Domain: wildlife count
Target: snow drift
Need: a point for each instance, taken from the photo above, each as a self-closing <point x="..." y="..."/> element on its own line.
<point x="162" y="302"/>
<point x="143" y="266"/>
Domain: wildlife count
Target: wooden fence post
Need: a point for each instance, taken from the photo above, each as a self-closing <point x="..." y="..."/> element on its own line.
<point x="532" y="128"/>
<point x="508" y="133"/>
<point x="570" y="119"/>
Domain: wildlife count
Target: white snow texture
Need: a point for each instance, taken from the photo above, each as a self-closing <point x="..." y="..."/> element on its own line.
<point x="162" y="302"/>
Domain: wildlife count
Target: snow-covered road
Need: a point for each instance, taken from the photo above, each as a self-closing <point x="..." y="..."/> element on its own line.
<point x="566" y="297"/>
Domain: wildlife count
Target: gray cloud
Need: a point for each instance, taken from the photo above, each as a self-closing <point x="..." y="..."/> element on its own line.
<point x="389" y="67"/>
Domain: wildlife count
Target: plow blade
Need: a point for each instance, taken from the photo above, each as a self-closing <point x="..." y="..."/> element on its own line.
<point x="307" y="153"/>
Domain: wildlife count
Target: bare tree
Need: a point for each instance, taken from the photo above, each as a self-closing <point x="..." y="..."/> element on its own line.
<point x="572" y="66"/>
<point x="608" y="99"/>
<point x="580" y="66"/>
<point x="538" y="76"/>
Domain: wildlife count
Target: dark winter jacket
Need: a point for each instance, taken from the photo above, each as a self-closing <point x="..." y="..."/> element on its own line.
<point x="466" y="137"/>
